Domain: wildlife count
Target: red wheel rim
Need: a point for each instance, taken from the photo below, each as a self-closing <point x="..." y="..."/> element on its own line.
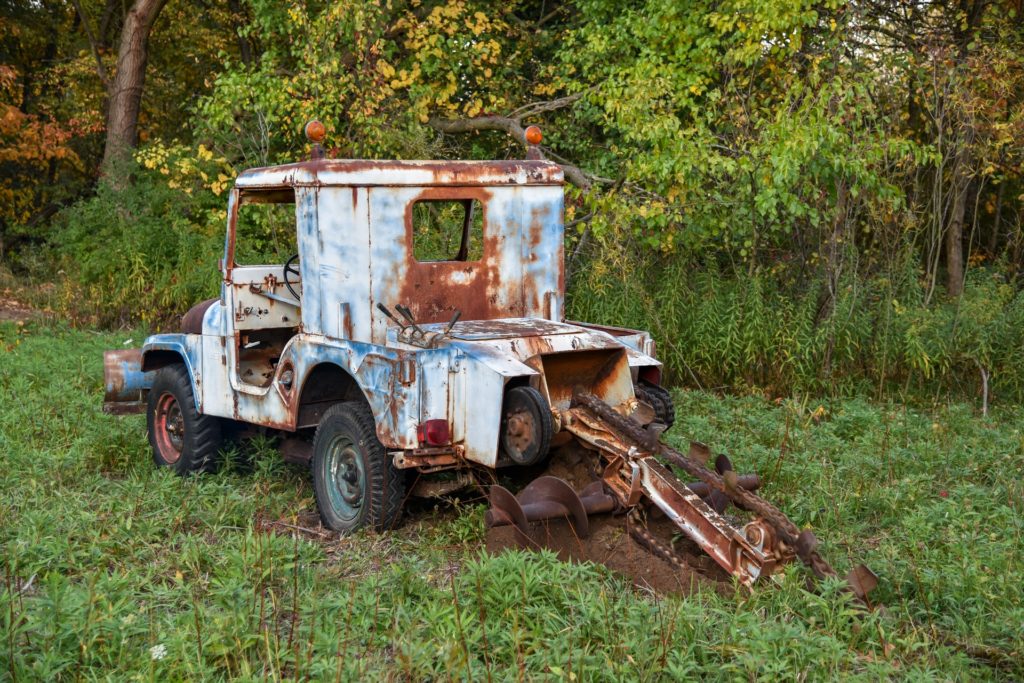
<point x="169" y="428"/>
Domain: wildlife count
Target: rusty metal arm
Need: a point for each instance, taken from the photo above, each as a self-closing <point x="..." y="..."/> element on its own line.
<point x="747" y="554"/>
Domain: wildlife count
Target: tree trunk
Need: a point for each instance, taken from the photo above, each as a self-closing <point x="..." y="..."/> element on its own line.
<point x="126" y="89"/>
<point x="955" y="229"/>
<point x="964" y="31"/>
<point x="246" y="49"/>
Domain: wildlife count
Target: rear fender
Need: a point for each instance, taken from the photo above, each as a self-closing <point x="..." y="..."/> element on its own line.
<point x="165" y="349"/>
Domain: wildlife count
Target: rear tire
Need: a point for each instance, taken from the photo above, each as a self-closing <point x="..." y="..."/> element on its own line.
<point x="181" y="437"/>
<point x="355" y="482"/>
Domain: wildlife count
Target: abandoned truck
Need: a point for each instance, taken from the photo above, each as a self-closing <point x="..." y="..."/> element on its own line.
<point x="416" y="331"/>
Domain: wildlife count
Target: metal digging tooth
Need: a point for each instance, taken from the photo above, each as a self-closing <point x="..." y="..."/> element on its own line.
<point x="717" y="500"/>
<point x="699" y="452"/>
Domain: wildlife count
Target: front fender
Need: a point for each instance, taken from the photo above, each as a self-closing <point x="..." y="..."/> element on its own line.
<point x="160" y="350"/>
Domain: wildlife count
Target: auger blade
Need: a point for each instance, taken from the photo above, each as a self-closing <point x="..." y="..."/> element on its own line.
<point x="506" y="511"/>
<point x="547" y="498"/>
<point x="550" y="498"/>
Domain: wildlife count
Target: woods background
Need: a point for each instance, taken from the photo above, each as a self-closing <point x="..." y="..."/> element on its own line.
<point x="793" y="196"/>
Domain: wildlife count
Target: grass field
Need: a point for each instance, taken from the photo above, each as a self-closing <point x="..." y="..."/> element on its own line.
<point x="112" y="569"/>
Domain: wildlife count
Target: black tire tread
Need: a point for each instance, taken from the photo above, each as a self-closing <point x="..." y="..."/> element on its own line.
<point x="203" y="438"/>
<point x="386" y="488"/>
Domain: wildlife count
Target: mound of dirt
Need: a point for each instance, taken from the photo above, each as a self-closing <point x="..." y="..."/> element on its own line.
<point x="610" y="543"/>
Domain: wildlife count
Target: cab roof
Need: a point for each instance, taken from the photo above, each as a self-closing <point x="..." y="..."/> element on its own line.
<point x="363" y="173"/>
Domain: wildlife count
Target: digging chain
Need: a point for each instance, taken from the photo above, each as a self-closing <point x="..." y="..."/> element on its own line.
<point x="803" y="542"/>
<point x="638" y="530"/>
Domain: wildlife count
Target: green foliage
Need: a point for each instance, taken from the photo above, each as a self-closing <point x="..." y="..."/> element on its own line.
<point x="111" y="565"/>
<point x="754" y="333"/>
<point x="145" y="251"/>
<point x="443" y="229"/>
<point x="776" y="177"/>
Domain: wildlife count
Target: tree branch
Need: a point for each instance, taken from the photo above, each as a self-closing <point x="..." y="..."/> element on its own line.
<point x="503" y="123"/>
<point x="551" y="105"/>
<point x="512" y="126"/>
<point x="101" y="70"/>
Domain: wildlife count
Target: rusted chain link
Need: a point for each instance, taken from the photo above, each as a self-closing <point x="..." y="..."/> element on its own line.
<point x="638" y="531"/>
<point x="632" y="432"/>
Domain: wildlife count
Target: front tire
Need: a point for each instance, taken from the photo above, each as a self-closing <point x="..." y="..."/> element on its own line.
<point x="181" y="437"/>
<point x="355" y="483"/>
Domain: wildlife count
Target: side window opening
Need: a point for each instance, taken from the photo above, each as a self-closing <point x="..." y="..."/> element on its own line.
<point x="448" y="230"/>
<point x="265" y="230"/>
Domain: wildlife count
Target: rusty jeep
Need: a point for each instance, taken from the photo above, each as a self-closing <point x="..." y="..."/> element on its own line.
<point x="416" y="338"/>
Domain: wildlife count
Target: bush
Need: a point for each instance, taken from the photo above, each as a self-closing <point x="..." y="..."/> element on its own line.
<point x="141" y="251"/>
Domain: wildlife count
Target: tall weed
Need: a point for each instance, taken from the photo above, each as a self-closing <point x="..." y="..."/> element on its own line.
<point x="758" y="332"/>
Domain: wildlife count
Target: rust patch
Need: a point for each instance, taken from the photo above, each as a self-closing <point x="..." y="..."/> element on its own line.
<point x="434" y="290"/>
<point x="192" y="322"/>
<point x="564" y="373"/>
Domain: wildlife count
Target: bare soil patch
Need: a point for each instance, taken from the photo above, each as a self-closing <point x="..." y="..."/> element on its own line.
<point x="12" y="310"/>
<point x="610" y="542"/>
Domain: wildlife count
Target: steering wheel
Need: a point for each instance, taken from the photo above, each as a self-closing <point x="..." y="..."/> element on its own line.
<point x="291" y="266"/>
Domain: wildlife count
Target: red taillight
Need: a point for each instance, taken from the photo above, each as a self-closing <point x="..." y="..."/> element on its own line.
<point x="434" y="433"/>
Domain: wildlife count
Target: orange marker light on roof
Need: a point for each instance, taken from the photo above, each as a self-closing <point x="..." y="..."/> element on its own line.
<point x="315" y="131"/>
<point x="533" y="135"/>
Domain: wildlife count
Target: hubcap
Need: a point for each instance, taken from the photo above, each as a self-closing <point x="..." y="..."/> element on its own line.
<point x="169" y="428"/>
<point x="520" y="430"/>
<point x="346" y="479"/>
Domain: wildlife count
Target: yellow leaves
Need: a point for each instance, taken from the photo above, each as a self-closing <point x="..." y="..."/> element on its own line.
<point x="478" y="23"/>
<point x="489" y="48"/>
<point x="406" y="78"/>
<point x="545" y="89"/>
<point x="220" y="184"/>
<point x="385" y="69"/>
<point x="185" y="167"/>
